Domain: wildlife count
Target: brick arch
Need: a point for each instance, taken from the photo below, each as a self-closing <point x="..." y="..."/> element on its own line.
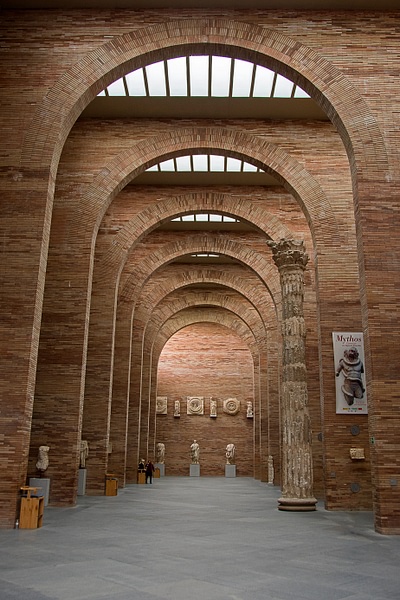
<point x="128" y="164"/>
<point x="251" y="288"/>
<point x="200" y="243"/>
<point x="239" y="306"/>
<point x="84" y="80"/>
<point x="170" y="207"/>
<point x="190" y="316"/>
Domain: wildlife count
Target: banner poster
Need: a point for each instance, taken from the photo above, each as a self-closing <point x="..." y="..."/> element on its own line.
<point x="348" y="353"/>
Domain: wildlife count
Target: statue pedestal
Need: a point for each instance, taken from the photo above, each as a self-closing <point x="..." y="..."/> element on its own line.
<point x="230" y="470"/>
<point x="161" y="466"/>
<point x="82" y="482"/>
<point x="194" y="470"/>
<point x="43" y="485"/>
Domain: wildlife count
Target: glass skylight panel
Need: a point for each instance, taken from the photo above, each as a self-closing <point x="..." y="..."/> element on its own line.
<point x="217" y="163"/>
<point x="300" y="93"/>
<point x="215" y="218"/>
<point x="188" y="218"/>
<point x="230" y="219"/>
<point x="248" y="168"/>
<point x="135" y="83"/>
<point x="116" y="88"/>
<point x="202" y="217"/>
<point x="177" y="76"/>
<point x="242" y="77"/>
<point x="167" y="165"/>
<point x="263" y="82"/>
<point x="283" y="87"/>
<point x="102" y="93"/>
<point x="153" y="168"/>
<point x="156" y="79"/>
<point x="200" y="162"/>
<point x="233" y="164"/>
<point x="183" y="163"/>
<point x="220" y="76"/>
<point x="198" y="75"/>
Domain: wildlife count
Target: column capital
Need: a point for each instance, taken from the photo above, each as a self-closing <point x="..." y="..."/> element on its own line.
<point x="289" y="253"/>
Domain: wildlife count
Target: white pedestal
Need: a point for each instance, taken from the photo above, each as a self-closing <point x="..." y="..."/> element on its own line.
<point x="230" y="470"/>
<point x="43" y="485"/>
<point x="194" y="470"/>
<point x="82" y="482"/>
<point x="161" y="466"/>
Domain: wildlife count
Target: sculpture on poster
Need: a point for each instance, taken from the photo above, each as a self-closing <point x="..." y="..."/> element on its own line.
<point x="348" y="351"/>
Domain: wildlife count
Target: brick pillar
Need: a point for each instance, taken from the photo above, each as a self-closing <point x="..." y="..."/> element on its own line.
<point x="297" y="474"/>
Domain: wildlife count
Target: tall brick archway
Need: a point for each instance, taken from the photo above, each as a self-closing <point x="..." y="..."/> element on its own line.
<point x="368" y="149"/>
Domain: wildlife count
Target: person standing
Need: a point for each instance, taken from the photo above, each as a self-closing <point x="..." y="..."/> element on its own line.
<point x="149" y="471"/>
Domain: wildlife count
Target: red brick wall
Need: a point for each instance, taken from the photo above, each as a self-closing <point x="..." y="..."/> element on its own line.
<point x="209" y="361"/>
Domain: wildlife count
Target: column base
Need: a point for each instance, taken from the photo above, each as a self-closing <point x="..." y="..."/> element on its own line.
<point x="297" y="504"/>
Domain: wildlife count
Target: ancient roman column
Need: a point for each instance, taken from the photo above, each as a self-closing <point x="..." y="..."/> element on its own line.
<point x="297" y="475"/>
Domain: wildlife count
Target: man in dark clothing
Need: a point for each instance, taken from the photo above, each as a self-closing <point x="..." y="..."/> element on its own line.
<point x="149" y="471"/>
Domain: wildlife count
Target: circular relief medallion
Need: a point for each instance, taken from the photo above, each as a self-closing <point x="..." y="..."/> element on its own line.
<point x="231" y="406"/>
<point x="195" y="405"/>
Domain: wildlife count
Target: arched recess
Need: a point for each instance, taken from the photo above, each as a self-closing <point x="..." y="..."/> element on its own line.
<point x="206" y="382"/>
<point x="171" y="326"/>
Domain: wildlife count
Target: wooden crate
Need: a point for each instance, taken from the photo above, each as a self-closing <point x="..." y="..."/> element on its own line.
<point x="111" y="485"/>
<point x="31" y="513"/>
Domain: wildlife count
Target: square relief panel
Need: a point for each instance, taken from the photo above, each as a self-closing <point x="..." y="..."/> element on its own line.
<point x="195" y="405"/>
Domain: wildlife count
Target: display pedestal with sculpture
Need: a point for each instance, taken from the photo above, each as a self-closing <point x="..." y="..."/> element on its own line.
<point x="195" y="459"/>
<point x="297" y="471"/>
<point x="230" y="455"/>
<point x="42" y="483"/>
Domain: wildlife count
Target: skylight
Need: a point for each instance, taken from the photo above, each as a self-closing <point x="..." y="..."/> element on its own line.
<point x="205" y="76"/>
<point x="205" y="163"/>
<point x="205" y="218"/>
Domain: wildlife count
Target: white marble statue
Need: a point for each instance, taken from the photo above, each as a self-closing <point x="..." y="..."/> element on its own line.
<point x="249" y="409"/>
<point x="160" y="453"/>
<point x="177" y="408"/>
<point x="213" y="408"/>
<point x="230" y="454"/>
<point x="43" y="459"/>
<point x="84" y="453"/>
<point x="195" y="453"/>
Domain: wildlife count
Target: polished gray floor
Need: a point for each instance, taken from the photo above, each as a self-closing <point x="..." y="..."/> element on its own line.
<point x="196" y="538"/>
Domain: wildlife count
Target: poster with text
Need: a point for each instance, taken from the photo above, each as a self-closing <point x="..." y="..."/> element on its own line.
<point x="348" y="353"/>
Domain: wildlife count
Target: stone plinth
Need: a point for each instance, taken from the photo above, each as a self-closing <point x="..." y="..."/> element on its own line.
<point x="161" y="466"/>
<point x="43" y="486"/>
<point x="194" y="470"/>
<point x="82" y="473"/>
<point x="230" y="470"/>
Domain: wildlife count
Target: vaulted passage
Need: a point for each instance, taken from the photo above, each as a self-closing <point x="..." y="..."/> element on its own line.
<point x="196" y="209"/>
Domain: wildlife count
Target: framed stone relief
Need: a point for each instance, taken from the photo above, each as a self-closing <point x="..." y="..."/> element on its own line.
<point x="161" y="405"/>
<point x="195" y="405"/>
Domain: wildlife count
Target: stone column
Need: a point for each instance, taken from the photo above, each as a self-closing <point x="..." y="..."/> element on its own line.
<point x="297" y="475"/>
